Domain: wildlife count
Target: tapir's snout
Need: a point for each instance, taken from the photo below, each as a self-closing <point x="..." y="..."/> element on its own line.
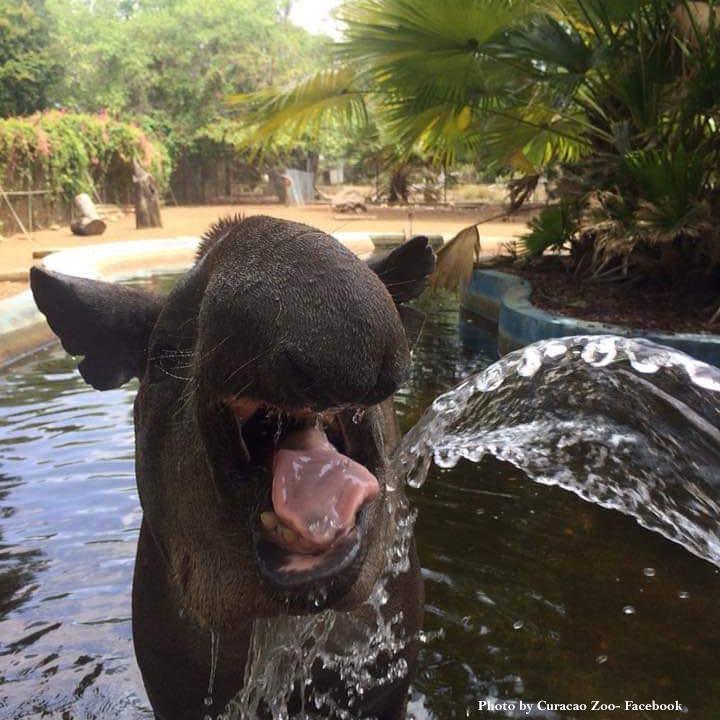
<point x="324" y="333"/>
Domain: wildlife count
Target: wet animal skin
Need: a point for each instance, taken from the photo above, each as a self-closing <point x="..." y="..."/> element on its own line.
<point x="263" y="425"/>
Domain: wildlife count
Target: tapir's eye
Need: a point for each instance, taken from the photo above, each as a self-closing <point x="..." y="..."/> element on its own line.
<point x="166" y="363"/>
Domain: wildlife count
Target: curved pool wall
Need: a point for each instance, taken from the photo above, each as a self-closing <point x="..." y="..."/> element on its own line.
<point x="502" y="301"/>
<point x="23" y="329"/>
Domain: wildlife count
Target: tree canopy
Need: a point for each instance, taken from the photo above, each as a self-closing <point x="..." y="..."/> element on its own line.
<point x="168" y="64"/>
<point x="174" y="62"/>
<point x="28" y="68"/>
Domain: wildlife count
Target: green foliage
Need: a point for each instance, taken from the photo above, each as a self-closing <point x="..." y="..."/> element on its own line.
<point x="671" y="184"/>
<point x="172" y="63"/>
<point x="307" y="106"/>
<point x="553" y="229"/>
<point x="618" y="100"/>
<point x="27" y="69"/>
<point x="71" y="152"/>
<point x="643" y="194"/>
<point x="167" y="66"/>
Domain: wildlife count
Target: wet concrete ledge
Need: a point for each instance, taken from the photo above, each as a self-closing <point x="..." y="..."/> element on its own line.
<point x="504" y="300"/>
<point x="23" y="329"/>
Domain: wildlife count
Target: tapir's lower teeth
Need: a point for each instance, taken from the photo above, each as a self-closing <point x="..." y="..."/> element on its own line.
<point x="269" y="520"/>
<point x="285" y="535"/>
<point x="288" y="535"/>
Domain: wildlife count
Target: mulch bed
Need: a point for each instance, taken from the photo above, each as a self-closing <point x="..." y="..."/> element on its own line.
<point x="642" y="305"/>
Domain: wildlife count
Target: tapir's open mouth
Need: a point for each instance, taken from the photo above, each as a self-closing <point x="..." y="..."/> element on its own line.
<point x="310" y="527"/>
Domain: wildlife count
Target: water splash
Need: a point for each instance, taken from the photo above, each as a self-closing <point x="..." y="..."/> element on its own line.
<point x="214" y="656"/>
<point x="287" y="652"/>
<point x="627" y="424"/>
<point x="623" y="423"/>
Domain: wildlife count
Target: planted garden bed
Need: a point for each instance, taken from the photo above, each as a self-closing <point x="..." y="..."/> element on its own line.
<point x="682" y="308"/>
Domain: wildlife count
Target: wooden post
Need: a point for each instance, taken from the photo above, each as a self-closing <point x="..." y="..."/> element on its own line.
<point x="89" y="222"/>
<point x="14" y="214"/>
<point x="147" y="198"/>
<point x="29" y="207"/>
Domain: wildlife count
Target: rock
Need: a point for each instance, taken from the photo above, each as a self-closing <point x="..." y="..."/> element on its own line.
<point x="348" y="201"/>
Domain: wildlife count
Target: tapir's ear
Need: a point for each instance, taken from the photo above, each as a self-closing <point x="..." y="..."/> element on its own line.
<point x="405" y="270"/>
<point x="107" y="323"/>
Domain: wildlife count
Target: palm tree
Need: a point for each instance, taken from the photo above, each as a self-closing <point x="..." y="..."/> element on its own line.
<point x="617" y="99"/>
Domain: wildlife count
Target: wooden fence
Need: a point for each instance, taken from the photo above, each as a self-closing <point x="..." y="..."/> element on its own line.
<point x="23" y="211"/>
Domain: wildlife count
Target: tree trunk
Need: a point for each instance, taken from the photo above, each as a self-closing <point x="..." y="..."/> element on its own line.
<point x="147" y="198"/>
<point x="89" y="222"/>
<point x="400" y="184"/>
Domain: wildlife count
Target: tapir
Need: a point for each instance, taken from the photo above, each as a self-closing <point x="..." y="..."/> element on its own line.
<point x="263" y="429"/>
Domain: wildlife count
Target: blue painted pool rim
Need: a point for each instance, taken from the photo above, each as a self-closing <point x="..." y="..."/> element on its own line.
<point x="504" y="300"/>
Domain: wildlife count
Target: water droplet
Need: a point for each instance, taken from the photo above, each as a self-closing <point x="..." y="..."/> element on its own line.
<point x="555" y="349"/>
<point x="643" y="362"/>
<point x="491" y="379"/>
<point x="629" y="610"/>
<point x="214" y="655"/>
<point x="279" y="429"/>
<point x="601" y="659"/>
<point x="600" y="353"/>
<point x="704" y="376"/>
<point x="649" y="572"/>
<point x="445" y="403"/>
<point x="319" y="597"/>
<point x="530" y="362"/>
<point x="419" y="472"/>
<point x="446" y="457"/>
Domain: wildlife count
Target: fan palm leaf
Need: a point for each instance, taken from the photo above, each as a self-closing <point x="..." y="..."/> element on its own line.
<point x="329" y="95"/>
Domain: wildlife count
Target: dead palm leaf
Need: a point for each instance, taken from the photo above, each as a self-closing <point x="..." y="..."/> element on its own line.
<point x="455" y="260"/>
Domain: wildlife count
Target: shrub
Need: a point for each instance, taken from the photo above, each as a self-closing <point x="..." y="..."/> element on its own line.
<point x="69" y="153"/>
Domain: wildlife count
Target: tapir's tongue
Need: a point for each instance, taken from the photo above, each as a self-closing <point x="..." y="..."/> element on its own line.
<point x="316" y="490"/>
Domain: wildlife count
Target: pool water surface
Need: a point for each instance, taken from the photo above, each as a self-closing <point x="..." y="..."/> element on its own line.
<point x="532" y="593"/>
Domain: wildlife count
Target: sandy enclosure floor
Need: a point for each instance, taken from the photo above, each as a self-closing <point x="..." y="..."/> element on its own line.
<point x="11" y="288"/>
<point x="16" y="252"/>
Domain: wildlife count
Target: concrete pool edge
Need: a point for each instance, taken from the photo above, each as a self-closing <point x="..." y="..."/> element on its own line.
<point x="22" y="326"/>
<point x="504" y="300"/>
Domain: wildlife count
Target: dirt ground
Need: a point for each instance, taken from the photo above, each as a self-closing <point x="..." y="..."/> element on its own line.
<point x="16" y="252"/>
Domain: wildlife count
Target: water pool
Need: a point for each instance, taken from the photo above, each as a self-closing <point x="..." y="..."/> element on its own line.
<point x="532" y="593"/>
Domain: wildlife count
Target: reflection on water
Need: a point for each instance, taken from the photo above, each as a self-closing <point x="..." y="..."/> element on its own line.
<point x="69" y="518"/>
<point x="537" y="594"/>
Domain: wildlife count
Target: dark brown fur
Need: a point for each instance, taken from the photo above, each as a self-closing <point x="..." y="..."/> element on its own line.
<point x="274" y="311"/>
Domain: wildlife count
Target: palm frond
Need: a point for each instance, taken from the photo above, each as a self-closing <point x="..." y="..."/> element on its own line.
<point x="551" y="230"/>
<point x="455" y="260"/>
<point x="330" y="95"/>
<point x="442" y="49"/>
